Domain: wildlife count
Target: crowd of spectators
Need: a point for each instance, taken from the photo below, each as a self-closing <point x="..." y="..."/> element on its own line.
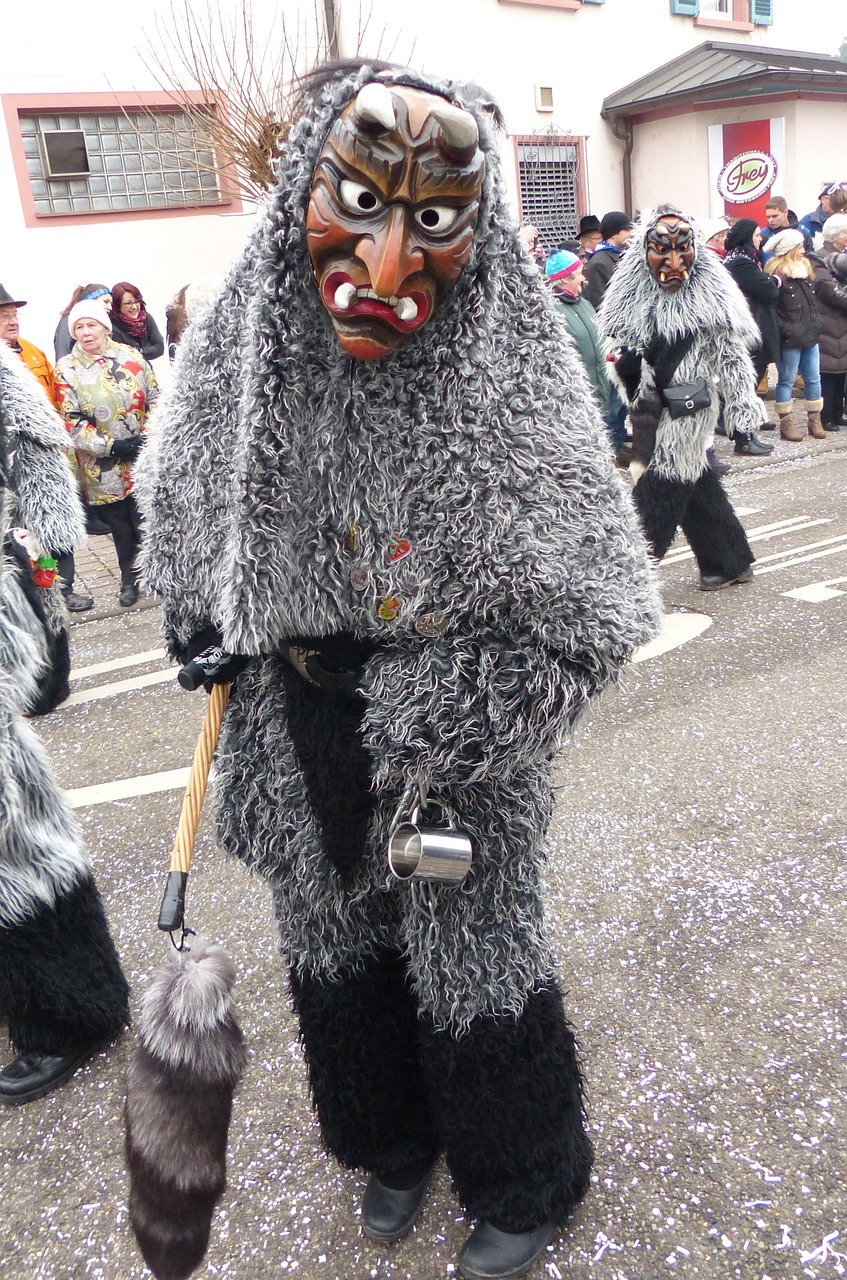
<point x="791" y="271"/>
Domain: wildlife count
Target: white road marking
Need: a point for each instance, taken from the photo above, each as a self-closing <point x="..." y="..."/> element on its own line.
<point x="677" y="629"/>
<point x="118" y="664"/>
<point x="119" y="686"/>
<point x="762" y="533"/>
<point x="818" y="555"/>
<point x="807" y="546"/>
<point x="127" y="788"/>
<point x="815" y="594"/>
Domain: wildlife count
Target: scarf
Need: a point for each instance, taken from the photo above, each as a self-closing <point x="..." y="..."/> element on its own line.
<point x="137" y="327"/>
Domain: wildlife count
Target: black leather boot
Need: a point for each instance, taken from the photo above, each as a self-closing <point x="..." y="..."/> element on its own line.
<point x="389" y="1213"/>
<point x="491" y="1254"/>
<point x="31" y="1075"/>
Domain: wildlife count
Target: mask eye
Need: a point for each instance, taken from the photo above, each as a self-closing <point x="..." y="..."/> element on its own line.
<point x="436" y="219"/>
<point x="356" y="198"/>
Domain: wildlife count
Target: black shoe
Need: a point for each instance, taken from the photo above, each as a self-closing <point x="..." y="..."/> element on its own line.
<point x="77" y="603"/>
<point x="832" y="426"/>
<point x="490" y="1254"/>
<point x="94" y="527"/>
<point x="714" y="581"/>
<point x="388" y="1214"/>
<point x="31" y="1075"/>
<point x="752" y="447"/>
<point x="767" y="426"/>
<point x="720" y="429"/>
<point x="715" y="464"/>
<point x="128" y="595"/>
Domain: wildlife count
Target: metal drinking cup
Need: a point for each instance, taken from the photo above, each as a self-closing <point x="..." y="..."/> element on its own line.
<point x="429" y="853"/>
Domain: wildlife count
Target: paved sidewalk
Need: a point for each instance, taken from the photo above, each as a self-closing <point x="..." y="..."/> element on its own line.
<point x="97" y="575"/>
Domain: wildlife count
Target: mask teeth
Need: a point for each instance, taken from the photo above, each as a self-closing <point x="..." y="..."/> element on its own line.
<point x="344" y="295"/>
<point x="406" y="309"/>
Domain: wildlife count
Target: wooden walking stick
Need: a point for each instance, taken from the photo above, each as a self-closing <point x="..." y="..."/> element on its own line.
<point x="172" y="910"/>
<point x="188" y="1058"/>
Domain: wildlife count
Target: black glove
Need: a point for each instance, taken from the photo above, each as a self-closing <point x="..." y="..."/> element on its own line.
<point x="628" y="369"/>
<point x="127" y="449"/>
<point x="208" y="663"/>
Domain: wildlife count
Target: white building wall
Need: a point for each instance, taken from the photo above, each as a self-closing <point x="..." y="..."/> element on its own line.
<point x="51" y="47"/>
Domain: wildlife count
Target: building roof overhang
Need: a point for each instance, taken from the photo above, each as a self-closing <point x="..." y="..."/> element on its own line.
<point x="715" y="72"/>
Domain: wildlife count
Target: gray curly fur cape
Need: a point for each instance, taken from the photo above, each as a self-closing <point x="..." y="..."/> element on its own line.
<point x="40" y="851"/>
<point x="709" y="305"/>
<point x="477" y="440"/>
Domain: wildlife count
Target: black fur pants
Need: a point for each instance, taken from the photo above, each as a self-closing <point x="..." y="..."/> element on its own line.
<point x="704" y="513"/>
<point x="503" y="1100"/>
<point x="61" y="983"/>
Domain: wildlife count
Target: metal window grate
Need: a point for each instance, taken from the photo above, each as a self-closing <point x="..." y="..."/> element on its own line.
<point x="548" y="175"/>
<point x="142" y="160"/>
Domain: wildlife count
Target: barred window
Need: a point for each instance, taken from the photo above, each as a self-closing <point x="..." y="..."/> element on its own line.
<point x="550" y="172"/>
<point x="112" y="161"/>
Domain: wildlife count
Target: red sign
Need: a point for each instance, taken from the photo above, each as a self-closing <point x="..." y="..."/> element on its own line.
<point x="749" y="169"/>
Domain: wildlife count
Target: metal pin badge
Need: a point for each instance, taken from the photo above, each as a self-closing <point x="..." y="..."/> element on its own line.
<point x="389" y="608"/>
<point x="360" y="577"/>
<point x="351" y="541"/>
<point x="397" y="549"/>
<point x="431" y="625"/>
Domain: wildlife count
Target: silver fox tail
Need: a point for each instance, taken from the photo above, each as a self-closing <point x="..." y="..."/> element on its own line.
<point x="181" y="1078"/>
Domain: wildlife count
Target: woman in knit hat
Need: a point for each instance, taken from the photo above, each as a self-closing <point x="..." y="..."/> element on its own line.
<point x="799" y="329"/>
<point x="565" y="272"/>
<point x="106" y="393"/>
<point x="743" y="242"/>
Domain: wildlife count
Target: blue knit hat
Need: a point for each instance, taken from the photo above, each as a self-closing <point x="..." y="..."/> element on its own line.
<point x="561" y="264"/>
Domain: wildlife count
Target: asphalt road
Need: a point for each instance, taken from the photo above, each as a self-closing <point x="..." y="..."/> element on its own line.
<point x="696" y="895"/>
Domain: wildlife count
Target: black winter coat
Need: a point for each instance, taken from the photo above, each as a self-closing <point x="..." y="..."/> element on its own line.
<point x="762" y="294"/>
<point x="599" y="269"/>
<point x="831" y="295"/>
<point x="151" y="346"/>
<point x="798" y="315"/>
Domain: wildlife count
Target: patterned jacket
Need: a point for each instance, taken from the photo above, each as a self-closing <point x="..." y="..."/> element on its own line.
<point x="103" y="399"/>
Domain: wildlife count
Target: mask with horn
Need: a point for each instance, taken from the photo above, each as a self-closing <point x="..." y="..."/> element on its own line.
<point x="670" y="246"/>
<point x="392" y="213"/>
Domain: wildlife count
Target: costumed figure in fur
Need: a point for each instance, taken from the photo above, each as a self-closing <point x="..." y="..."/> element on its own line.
<point x="378" y="473"/>
<point x="684" y="333"/>
<point x="62" y="991"/>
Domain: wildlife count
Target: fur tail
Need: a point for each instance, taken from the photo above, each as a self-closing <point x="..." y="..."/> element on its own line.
<point x="180" y="1082"/>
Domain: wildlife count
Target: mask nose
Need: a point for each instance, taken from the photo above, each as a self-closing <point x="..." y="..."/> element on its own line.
<point x="387" y="256"/>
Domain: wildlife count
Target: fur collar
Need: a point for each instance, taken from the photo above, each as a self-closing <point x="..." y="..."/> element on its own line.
<point x="637" y="309"/>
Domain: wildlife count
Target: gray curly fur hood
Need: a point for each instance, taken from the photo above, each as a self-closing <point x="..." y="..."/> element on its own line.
<point x="478" y="441"/>
<point x="487" y="405"/>
<point x="709" y="306"/>
<point x="40" y="851"/>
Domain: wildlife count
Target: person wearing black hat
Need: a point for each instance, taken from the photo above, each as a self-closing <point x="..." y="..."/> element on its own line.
<point x="589" y="235"/>
<point x="34" y="359"/>
<point x="616" y="232"/>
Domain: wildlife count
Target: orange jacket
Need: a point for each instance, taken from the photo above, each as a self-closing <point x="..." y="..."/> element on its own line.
<point x="38" y="364"/>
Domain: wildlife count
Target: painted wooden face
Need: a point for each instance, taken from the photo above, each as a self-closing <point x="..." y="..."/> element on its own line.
<point x="671" y="247"/>
<point x="392" y="213"/>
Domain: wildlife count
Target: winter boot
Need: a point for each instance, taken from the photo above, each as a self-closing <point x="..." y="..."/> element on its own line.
<point x="813" y="411"/>
<point x="787" y="429"/>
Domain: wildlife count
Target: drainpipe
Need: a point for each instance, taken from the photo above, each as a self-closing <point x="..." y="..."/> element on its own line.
<point x="331" y="25"/>
<point x="624" y="131"/>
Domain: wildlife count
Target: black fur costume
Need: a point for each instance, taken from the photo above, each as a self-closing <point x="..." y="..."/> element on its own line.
<point x="703" y="330"/>
<point x="61" y="984"/>
<point x="429" y="1013"/>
